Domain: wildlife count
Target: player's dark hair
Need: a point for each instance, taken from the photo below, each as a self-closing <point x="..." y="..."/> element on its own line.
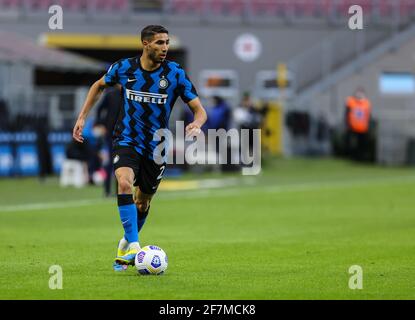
<point x="150" y="31"/>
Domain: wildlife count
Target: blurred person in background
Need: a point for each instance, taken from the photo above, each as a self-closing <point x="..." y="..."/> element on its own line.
<point x="4" y="119"/>
<point x="220" y="117"/>
<point x="219" y="114"/>
<point x="150" y="86"/>
<point x="358" y="111"/>
<point x="94" y="138"/>
<point x="246" y="116"/>
<point x="107" y="114"/>
<point x="87" y="152"/>
<point x="41" y="123"/>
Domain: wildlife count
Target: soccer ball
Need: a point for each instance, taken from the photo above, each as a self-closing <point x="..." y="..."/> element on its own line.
<point x="151" y="260"/>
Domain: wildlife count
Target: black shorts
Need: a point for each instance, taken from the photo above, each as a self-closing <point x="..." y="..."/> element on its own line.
<point x="148" y="173"/>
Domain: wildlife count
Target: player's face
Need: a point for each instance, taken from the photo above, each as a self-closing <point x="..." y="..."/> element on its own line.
<point x="157" y="48"/>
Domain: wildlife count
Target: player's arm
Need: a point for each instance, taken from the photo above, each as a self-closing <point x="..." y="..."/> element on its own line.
<point x="93" y="95"/>
<point x="200" y="117"/>
<point x="188" y="94"/>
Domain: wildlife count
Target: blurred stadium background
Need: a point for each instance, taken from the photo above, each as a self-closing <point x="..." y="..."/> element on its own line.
<point x="299" y="61"/>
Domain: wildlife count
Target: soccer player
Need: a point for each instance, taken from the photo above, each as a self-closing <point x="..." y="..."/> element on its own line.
<point x="150" y="85"/>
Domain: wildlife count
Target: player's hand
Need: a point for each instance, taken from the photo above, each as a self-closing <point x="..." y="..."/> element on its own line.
<point x="77" y="130"/>
<point x="192" y="129"/>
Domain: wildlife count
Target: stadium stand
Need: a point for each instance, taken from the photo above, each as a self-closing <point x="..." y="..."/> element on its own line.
<point x="401" y="9"/>
<point x="70" y="5"/>
<point x="334" y="51"/>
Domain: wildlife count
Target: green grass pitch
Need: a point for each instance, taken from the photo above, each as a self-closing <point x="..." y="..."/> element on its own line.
<point x="290" y="233"/>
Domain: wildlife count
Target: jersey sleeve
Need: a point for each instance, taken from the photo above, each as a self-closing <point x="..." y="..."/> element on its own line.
<point x="112" y="76"/>
<point x="187" y="90"/>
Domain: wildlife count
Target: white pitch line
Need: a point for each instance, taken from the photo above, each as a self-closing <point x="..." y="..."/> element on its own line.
<point x="52" y="205"/>
<point x="205" y="193"/>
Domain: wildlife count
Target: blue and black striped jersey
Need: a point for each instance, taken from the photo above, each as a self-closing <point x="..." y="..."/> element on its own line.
<point x="149" y="97"/>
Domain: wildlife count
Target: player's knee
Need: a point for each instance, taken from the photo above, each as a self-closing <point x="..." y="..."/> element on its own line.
<point x="124" y="185"/>
<point x="142" y="205"/>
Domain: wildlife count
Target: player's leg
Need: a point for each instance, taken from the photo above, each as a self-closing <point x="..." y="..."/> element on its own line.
<point x="142" y="202"/>
<point x="147" y="181"/>
<point x="128" y="246"/>
<point x="125" y="178"/>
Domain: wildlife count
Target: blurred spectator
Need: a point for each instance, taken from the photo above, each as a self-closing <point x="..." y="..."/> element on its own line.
<point x="77" y="151"/>
<point x="357" y="118"/>
<point x="298" y="123"/>
<point x="94" y="138"/>
<point x="88" y="151"/>
<point x="4" y="119"/>
<point x="219" y="115"/>
<point x="246" y="116"/>
<point x="42" y="129"/>
<point x="107" y="115"/>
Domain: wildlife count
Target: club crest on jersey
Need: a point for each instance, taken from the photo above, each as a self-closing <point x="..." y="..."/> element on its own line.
<point x="163" y="83"/>
<point x="146" y="97"/>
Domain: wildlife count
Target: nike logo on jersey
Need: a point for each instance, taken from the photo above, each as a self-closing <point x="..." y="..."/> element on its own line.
<point x="131" y="80"/>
